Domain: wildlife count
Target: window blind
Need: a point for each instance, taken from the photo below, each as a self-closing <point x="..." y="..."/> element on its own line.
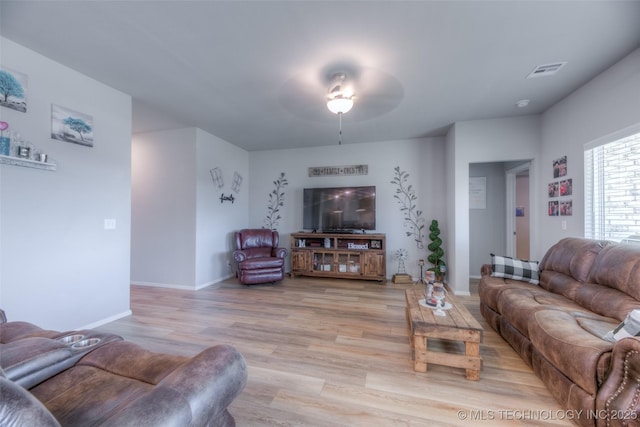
<point x="612" y="191"/>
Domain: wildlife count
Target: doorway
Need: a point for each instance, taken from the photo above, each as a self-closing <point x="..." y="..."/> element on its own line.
<point x="518" y="203"/>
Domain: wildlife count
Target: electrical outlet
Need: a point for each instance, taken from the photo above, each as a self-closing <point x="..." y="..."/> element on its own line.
<point x="110" y="224"/>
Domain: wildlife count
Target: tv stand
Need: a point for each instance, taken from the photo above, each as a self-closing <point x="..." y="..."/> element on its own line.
<point x="339" y="255"/>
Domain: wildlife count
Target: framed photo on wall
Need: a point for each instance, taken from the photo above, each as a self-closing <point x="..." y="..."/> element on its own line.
<point x="560" y="167"/>
<point x="13" y="90"/>
<point x="566" y="208"/>
<point x="566" y="187"/>
<point x="71" y="126"/>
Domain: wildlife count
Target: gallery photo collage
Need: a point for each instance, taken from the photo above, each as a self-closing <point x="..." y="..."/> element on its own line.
<point x="560" y="189"/>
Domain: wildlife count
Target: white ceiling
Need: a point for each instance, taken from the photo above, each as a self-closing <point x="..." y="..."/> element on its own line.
<point x="256" y="73"/>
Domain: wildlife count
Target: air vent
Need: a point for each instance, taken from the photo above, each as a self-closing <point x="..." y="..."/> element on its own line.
<point x="546" y="70"/>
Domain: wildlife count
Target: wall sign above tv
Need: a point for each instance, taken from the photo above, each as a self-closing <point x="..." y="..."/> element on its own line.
<point x="350" y="170"/>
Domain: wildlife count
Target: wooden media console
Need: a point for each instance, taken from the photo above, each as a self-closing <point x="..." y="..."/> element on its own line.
<point x="346" y="256"/>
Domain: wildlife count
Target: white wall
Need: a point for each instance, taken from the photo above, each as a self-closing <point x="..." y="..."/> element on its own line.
<point x="607" y="104"/>
<point x="60" y="268"/>
<point x="217" y="221"/>
<point x="163" y="218"/>
<point x="487" y="230"/>
<point x="181" y="232"/>
<point x="423" y="159"/>
<point x="496" y="140"/>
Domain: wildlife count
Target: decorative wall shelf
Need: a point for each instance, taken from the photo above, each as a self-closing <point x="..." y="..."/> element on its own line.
<point x="17" y="161"/>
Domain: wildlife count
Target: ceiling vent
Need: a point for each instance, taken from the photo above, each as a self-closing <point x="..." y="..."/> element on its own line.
<point x="546" y="70"/>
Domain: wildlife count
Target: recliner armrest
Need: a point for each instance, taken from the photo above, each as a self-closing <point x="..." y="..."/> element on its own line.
<point x="280" y="252"/>
<point x="239" y="255"/>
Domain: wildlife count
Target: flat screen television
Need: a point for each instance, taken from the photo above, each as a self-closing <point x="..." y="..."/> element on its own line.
<point x="339" y="209"/>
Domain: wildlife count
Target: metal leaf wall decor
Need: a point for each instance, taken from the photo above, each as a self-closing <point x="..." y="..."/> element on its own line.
<point x="407" y="199"/>
<point x="276" y="201"/>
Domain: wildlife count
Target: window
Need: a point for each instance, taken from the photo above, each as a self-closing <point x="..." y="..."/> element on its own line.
<point x="612" y="190"/>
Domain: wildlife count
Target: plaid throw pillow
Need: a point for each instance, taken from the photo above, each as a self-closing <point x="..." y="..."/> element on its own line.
<point x="517" y="269"/>
<point x="630" y="327"/>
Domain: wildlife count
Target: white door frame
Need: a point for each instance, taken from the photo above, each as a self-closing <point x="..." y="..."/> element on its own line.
<point x="510" y="178"/>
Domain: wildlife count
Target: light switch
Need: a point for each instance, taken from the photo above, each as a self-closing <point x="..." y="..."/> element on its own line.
<point x="110" y="224"/>
<point x="564" y="224"/>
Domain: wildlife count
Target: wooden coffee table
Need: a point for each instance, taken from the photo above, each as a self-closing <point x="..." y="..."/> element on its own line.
<point x="457" y="325"/>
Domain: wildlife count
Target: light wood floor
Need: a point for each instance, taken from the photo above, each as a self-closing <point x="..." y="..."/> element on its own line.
<point x="336" y="353"/>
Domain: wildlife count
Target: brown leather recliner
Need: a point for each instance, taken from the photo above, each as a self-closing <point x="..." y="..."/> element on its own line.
<point x="258" y="257"/>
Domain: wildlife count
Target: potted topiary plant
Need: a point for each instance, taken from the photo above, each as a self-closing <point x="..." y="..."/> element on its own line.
<point x="435" y="257"/>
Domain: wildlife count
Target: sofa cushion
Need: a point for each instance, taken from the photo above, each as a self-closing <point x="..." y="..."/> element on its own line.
<point x="513" y="268"/>
<point x="13" y="331"/>
<point x="491" y="287"/>
<point x="559" y="283"/>
<point x="85" y="395"/>
<point x="605" y="301"/>
<point x="261" y="263"/>
<point x="252" y="253"/>
<point x="256" y="238"/>
<point x="518" y="305"/>
<point x="573" y="257"/>
<point x="572" y="343"/>
<point x="618" y="267"/>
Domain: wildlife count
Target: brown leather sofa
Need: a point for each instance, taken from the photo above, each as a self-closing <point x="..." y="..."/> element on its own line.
<point x="258" y="257"/>
<point x="586" y="289"/>
<point x="89" y="378"/>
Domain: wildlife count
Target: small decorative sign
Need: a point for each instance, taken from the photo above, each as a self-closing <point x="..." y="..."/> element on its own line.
<point x="316" y="171"/>
<point x="358" y="246"/>
<point x="228" y="198"/>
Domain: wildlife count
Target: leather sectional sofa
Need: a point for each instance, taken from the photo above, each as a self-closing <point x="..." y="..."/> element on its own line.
<point x="89" y="378"/>
<point x="587" y="288"/>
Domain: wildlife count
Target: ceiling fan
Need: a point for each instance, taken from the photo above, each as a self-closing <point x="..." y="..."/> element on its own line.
<point x="307" y="95"/>
<point x="340" y="96"/>
<point x="340" y="99"/>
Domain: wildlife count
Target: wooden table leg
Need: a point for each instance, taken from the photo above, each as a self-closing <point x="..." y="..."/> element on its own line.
<point x="420" y="352"/>
<point x="472" y="349"/>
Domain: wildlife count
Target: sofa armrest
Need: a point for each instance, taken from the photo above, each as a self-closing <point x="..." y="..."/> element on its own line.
<point x="187" y="391"/>
<point x="239" y="255"/>
<point x="280" y="253"/>
<point x="221" y="373"/>
<point x="617" y="401"/>
<point x="486" y="270"/>
<point x="19" y="408"/>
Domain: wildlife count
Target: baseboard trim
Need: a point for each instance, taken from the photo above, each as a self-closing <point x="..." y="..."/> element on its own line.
<point x="163" y="285"/>
<point x="213" y="282"/>
<point x="183" y="287"/>
<point x="107" y="320"/>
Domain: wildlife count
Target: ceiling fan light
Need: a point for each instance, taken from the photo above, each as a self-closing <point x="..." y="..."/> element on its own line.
<point x="340" y="105"/>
